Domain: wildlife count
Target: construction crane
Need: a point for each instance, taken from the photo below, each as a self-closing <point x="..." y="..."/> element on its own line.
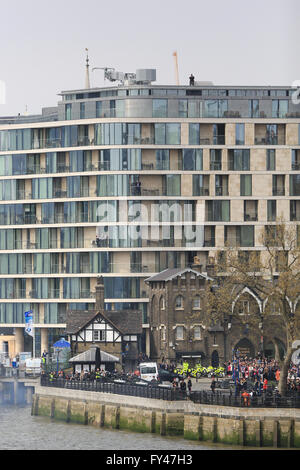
<point x="176" y="67"/>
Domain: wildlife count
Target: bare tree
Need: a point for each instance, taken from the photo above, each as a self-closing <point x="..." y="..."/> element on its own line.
<point x="273" y="274"/>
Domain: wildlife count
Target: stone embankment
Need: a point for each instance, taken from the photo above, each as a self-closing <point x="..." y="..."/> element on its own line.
<point x="266" y="427"/>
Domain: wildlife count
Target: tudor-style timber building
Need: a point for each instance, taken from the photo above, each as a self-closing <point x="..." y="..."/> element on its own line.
<point x="114" y="332"/>
<point x="127" y="180"/>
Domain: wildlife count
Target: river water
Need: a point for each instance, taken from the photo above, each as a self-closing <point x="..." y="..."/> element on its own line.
<point x="21" y="431"/>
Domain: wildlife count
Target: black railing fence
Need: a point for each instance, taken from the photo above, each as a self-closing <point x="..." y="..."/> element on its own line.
<point x="160" y="392"/>
<point x="135" y="390"/>
<point x="265" y="400"/>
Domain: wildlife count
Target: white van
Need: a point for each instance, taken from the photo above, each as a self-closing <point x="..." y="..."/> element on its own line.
<point x="148" y="371"/>
<point x="33" y="366"/>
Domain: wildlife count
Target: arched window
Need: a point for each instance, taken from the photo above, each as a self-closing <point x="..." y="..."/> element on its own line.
<point x="162" y="303"/>
<point x="244" y="307"/>
<point x="179" y="302"/>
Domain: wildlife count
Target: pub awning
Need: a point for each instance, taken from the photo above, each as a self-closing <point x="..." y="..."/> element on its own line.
<point x="90" y="357"/>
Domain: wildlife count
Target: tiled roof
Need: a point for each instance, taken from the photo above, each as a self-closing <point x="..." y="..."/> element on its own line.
<point x="170" y="273"/>
<point x="129" y="322"/>
<point x="77" y="319"/>
<point x="89" y="356"/>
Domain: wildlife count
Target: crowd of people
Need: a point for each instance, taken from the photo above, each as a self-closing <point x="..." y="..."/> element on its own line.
<point x="255" y="374"/>
<point x="260" y="372"/>
<point x="83" y="376"/>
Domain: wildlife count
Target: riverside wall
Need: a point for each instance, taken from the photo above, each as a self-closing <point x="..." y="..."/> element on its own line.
<point x="264" y="427"/>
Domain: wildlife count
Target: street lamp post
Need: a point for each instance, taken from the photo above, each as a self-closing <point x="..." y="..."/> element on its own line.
<point x="261" y="327"/>
<point x="236" y="368"/>
<point x="227" y="321"/>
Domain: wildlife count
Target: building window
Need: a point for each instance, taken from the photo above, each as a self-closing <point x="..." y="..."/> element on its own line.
<point x="68" y="112"/>
<point x="192" y="159"/>
<point x="246" y="235"/>
<point x="215" y="160"/>
<point x="294" y="185"/>
<point x="194" y="134"/>
<point x="99" y="335"/>
<point x="99" y="109"/>
<point x="240" y="134"/>
<point x="196" y="302"/>
<point x="246" y="185"/>
<point x="159" y="108"/>
<point x="295" y="160"/>
<point x="271" y="162"/>
<point x="167" y="134"/>
<point x="244" y="307"/>
<point x="200" y="185"/>
<point x="215" y="108"/>
<point x="253" y="108"/>
<point x="197" y="332"/>
<point x="295" y="211"/>
<point x="179" y="302"/>
<point x="179" y="332"/>
<point x="82" y="110"/>
<point x="183" y="108"/>
<point x="239" y="160"/>
<point x="271" y="210"/>
<point x="240" y="235"/>
<point x="218" y="211"/>
<point x="279" y="108"/>
<point x="278" y="182"/>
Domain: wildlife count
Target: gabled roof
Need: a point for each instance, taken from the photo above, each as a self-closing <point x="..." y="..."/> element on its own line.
<point x="78" y="319"/>
<point x="170" y="273"/>
<point x="127" y="322"/>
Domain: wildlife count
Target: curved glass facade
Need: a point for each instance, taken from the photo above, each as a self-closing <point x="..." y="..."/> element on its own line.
<point x="131" y="181"/>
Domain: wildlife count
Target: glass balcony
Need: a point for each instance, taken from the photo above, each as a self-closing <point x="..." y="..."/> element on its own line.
<point x="220" y="191"/>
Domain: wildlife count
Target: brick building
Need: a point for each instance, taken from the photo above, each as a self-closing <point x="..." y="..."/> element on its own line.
<point x="178" y="331"/>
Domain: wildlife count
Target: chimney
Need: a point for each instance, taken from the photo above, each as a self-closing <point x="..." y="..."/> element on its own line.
<point x="196" y="266"/>
<point x="99" y="294"/>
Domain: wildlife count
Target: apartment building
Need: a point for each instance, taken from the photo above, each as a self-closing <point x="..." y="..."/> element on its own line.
<point x="127" y="180"/>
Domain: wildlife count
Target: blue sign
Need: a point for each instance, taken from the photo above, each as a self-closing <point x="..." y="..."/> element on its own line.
<point x="29" y="322"/>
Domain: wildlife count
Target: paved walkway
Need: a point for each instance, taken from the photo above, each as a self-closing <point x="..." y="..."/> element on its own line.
<point x="200" y="384"/>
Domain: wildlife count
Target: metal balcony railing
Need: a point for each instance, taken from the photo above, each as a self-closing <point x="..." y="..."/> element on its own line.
<point x="250" y="217"/>
<point x="215" y="166"/>
<point x="269" y="140"/>
<point x="220" y="191"/>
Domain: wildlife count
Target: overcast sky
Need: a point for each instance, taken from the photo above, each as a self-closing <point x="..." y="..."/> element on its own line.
<point x="230" y="42"/>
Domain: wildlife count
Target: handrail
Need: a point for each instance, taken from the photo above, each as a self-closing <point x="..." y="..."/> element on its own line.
<point x="265" y="400"/>
<point x="126" y="388"/>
